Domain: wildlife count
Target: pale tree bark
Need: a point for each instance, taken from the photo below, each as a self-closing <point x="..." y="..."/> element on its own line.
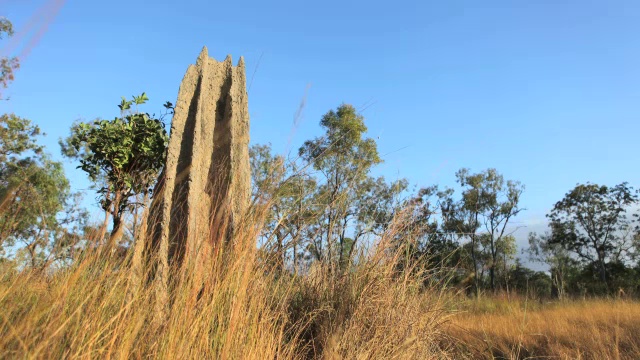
<point x="137" y="261"/>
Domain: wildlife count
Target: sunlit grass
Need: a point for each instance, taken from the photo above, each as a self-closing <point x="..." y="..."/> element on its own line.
<point x="521" y="329"/>
<point x="247" y="311"/>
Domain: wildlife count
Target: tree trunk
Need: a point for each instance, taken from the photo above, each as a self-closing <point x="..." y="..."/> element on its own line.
<point x="103" y="229"/>
<point x="602" y="269"/>
<point x="118" y="225"/>
<point x="603" y="274"/>
<point x="476" y="280"/>
<point x="555" y="286"/>
<point x="295" y="256"/>
<point x="476" y="288"/>
<point x="280" y="254"/>
<point x="492" y="276"/>
<point x="492" y="269"/>
<point x="137" y="262"/>
<point x="32" y="253"/>
<point x="116" y="233"/>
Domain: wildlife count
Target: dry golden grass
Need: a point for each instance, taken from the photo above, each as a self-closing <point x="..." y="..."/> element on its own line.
<point x="371" y="314"/>
<point x="86" y="312"/>
<point x="95" y="310"/>
<point x="517" y="329"/>
<point x="92" y="311"/>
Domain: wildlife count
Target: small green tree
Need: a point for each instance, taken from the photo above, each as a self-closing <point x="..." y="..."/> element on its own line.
<point x="528" y="282"/>
<point x="541" y="249"/>
<point x="122" y="156"/>
<point x="52" y="223"/>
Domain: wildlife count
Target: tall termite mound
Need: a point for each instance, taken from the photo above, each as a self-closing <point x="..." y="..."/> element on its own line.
<point x="204" y="189"/>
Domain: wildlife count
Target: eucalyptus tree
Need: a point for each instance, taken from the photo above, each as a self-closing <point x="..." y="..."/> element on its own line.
<point x="591" y="223"/>
<point x="343" y="156"/>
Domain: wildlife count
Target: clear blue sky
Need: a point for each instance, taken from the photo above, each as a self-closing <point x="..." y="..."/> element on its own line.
<point x="547" y="92"/>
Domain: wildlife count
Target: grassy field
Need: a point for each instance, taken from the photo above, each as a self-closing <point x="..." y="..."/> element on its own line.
<point x="95" y="310"/>
<point x="520" y="329"/>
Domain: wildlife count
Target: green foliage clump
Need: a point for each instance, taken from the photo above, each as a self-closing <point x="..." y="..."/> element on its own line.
<point x="36" y="204"/>
<point x="7" y="64"/>
<point x="123" y="156"/>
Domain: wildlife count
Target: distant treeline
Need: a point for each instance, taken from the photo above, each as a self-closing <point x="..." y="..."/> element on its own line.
<point x="324" y="206"/>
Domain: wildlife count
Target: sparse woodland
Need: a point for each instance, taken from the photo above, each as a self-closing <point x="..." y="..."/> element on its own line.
<point x="331" y="263"/>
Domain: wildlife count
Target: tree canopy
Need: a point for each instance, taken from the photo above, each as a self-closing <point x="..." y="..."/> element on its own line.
<point x="123" y="155"/>
<point x="7" y="64"/>
<point x="591" y="222"/>
<point x="36" y="202"/>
